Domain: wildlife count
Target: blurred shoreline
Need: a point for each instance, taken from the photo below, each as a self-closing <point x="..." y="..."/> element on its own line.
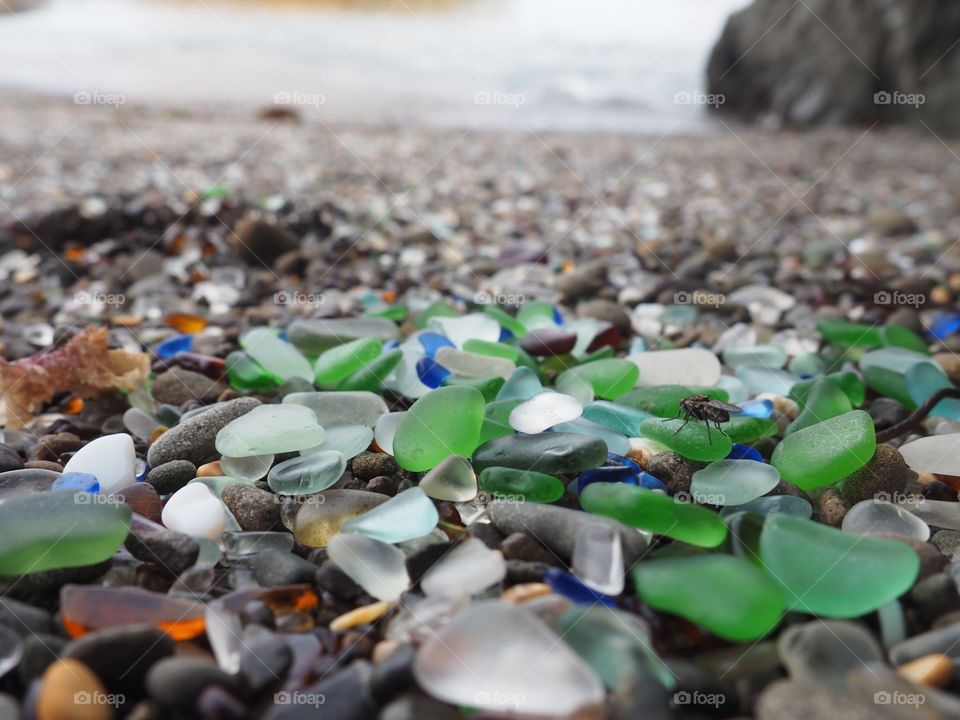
<point x="829" y="192"/>
<point x="565" y="65"/>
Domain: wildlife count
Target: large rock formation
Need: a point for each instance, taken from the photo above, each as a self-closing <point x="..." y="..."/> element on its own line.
<point x="815" y="62"/>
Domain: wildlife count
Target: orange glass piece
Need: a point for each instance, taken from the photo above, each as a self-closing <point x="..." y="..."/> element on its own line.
<point x="184" y="323"/>
<point x="75" y="254"/>
<point x="72" y="406"/>
<point x="84" y="608"/>
<point x="284" y="599"/>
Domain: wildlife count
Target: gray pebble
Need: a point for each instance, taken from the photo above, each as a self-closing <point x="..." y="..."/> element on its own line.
<point x="174" y="551"/>
<point x="177" y="681"/>
<point x="557" y="527"/>
<point x="194" y="439"/>
<point x="171" y="476"/>
<point x="178" y="386"/>
<point x="255" y="509"/>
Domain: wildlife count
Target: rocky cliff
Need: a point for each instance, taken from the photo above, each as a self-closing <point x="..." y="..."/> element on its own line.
<point x="817" y="62"/>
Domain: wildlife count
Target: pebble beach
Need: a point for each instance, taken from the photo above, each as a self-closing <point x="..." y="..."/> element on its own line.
<point x="309" y="419"/>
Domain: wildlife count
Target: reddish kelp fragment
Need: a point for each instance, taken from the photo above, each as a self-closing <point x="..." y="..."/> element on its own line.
<point x="85" y="366"/>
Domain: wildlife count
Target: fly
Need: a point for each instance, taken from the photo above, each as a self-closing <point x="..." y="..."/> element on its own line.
<point x="705" y="408"/>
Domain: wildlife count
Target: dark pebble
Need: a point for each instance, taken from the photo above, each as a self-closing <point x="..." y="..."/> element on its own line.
<point x="675" y="471"/>
<point x="272" y="568"/>
<point x="425" y="558"/>
<point x="368" y="465"/>
<point x="43" y="465"/>
<point x="39" y="650"/>
<point x="194" y="439"/>
<point x="52" y="447"/>
<point x="176" y="682"/>
<point x="522" y="571"/>
<point x="260" y="242"/>
<point x="333" y="580"/>
<point x="418" y="707"/>
<point x="520" y="546"/>
<point x="831" y="507"/>
<point x="264" y="659"/>
<point x="885" y="476"/>
<point x="142" y="498"/>
<point x="487" y="534"/>
<point x="122" y="656"/>
<point x="886" y="412"/>
<point x="178" y="386"/>
<point x="9" y="459"/>
<point x="172" y="550"/>
<point x="43" y="588"/>
<point x="255" y="509"/>
<point x="384" y="484"/>
<point x="171" y="476"/>
<point x="23" y="618"/>
<point x="934" y="596"/>
<point x="346" y="696"/>
<point x="557" y="527"/>
<point x="393" y="675"/>
<point x="612" y="312"/>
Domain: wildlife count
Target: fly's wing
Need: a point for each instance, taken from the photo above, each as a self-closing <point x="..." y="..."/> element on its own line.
<point x="729" y="407"/>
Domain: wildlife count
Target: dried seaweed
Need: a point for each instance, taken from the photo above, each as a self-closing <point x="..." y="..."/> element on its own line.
<point x="84" y="366"/>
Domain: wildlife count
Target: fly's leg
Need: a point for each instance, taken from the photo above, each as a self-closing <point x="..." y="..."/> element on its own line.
<point x="686" y="419"/>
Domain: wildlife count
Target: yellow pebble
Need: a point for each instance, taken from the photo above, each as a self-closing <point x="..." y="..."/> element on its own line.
<point x="157" y="432"/>
<point x="70" y="691"/>
<point x="932" y="670"/>
<point x="360" y="616"/>
<point x="525" y="592"/>
<point x="211" y="469"/>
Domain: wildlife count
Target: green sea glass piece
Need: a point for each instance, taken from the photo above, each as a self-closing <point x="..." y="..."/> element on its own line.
<point x="693" y="440"/>
<point x="243" y="373"/>
<point x="846" y="380"/>
<point x="496" y="420"/>
<point x="654" y="512"/>
<point x="444" y="422"/>
<point x="885" y="371"/>
<point x="553" y="453"/>
<point x="727" y="595"/>
<point x="849" y="334"/>
<point x="522" y="485"/>
<point x="664" y="400"/>
<point x="829" y="572"/>
<point x="493" y="349"/>
<point x="744" y="429"/>
<point x="372" y="375"/>
<point x="274" y="355"/>
<point x="51" y="530"/>
<point x="342" y="361"/>
<point x="619" y="418"/>
<point x="610" y="378"/>
<point x="825" y="401"/>
<point x="270" y="429"/>
<point x="827" y="452"/>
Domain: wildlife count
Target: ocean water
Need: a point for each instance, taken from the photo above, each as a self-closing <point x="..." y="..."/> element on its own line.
<point x="548" y="64"/>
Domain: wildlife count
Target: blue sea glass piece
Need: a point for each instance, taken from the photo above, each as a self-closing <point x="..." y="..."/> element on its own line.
<point x="570" y="586"/>
<point x="77" y="481"/>
<point x="744" y="452"/>
<point x="173" y="346"/>
<point x="431" y="373"/>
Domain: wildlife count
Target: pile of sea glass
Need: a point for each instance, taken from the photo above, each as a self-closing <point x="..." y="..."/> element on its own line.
<point x="523" y="504"/>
